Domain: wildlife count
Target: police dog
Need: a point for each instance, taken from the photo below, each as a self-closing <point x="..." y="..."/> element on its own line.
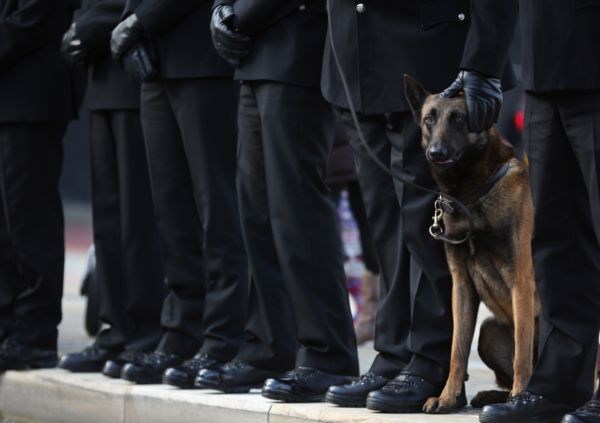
<point x="494" y="265"/>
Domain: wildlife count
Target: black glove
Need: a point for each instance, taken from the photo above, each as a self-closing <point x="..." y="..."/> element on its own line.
<point x="230" y="44"/>
<point x="483" y="95"/>
<point x="140" y="63"/>
<point x="72" y="47"/>
<point x="125" y="35"/>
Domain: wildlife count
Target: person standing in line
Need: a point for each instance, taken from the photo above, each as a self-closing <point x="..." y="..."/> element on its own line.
<point x="341" y="175"/>
<point x="377" y="42"/>
<point x="129" y="273"/>
<point x="188" y="118"/>
<point x="561" y="79"/>
<point x="299" y="312"/>
<point x="37" y="100"/>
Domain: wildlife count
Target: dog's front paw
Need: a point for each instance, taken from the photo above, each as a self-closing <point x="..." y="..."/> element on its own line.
<point x="441" y="405"/>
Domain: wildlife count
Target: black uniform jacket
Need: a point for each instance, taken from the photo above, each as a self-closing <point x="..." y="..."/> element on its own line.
<point x="288" y="39"/>
<point x="560" y="44"/>
<point x="182" y="33"/>
<point x="431" y="40"/>
<point x="36" y="84"/>
<point x="109" y="87"/>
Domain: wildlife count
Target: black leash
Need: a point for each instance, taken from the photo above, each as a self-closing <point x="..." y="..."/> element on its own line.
<point x="402" y="176"/>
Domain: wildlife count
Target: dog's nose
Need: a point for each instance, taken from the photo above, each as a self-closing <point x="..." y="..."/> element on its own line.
<point x="437" y="153"/>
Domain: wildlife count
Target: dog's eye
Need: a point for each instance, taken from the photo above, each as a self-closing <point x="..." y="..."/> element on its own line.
<point x="429" y="120"/>
<point x="459" y="118"/>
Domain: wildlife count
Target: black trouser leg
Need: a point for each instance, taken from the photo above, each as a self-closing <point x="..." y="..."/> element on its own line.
<point x="394" y="314"/>
<point x="295" y="147"/>
<point x="272" y="340"/>
<point x="190" y="135"/>
<point x="31" y="162"/>
<point x="128" y="262"/>
<point x="416" y="281"/>
<point x="430" y="280"/>
<point x="563" y="147"/>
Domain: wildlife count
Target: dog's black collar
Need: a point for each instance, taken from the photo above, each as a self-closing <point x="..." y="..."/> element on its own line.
<point x="450" y="206"/>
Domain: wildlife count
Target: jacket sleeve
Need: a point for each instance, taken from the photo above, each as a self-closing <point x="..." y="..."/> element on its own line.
<point x="253" y="16"/>
<point x="490" y="35"/>
<point x="25" y="30"/>
<point x="157" y="16"/>
<point x="95" y="23"/>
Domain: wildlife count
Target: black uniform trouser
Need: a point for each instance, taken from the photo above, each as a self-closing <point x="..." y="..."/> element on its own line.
<point x="414" y="321"/>
<point x="31" y="232"/>
<point x="129" y="274"/>
<point x="562" y="138"/>
<point x="289" y="225"/>
<point x="189" y="128"/>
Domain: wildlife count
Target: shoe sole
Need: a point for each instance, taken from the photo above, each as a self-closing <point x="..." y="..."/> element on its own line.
<point x="484" y="418"/>
<point x="42" y="363"/>
<point x="287" y="397"/>
<point x="242" y="389"/>
<point x="151" y="380"/>
<point x="178" y="383"/>
<point x="384" y="407"/>
<point x="345" y="401"/>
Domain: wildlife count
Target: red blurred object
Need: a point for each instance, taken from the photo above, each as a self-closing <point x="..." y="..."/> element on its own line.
<point x="519" y="120"/>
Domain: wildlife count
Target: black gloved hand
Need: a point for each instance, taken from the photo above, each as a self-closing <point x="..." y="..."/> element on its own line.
<point x="139" y="63"/>
<point x="125" y="35"/>
<point x="72" y="47"/>
<point x="230" y="44"/>
<point x="483" y="95"/>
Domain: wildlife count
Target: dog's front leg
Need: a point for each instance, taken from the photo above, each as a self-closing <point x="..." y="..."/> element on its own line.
<point x="465" y="304"/>
<point x="523" y="302"/>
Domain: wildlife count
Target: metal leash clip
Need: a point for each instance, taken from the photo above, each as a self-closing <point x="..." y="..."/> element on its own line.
<point x="436" y="230"/>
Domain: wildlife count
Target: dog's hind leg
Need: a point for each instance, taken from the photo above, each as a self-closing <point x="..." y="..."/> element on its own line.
<point x="496" y="349"/>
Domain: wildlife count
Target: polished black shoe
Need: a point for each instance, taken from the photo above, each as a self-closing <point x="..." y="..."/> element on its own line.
<point x="355" y="394"/>
<point x="235" y="377"/>
<point x="524" y="408"/>
<point x="90" y="359"/>
<point x="406" y="393"/>
<point x="184" y="376"/>
<point x="588" y="413"/>
<point x="113" y="368"/>
<point x="151" y="368"/>
<point x="17" y="356"/>
<point x="303" y="384"/>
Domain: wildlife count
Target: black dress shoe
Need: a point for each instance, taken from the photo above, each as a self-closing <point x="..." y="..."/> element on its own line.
<point x="355" y="393"/>
<point x="151" y="368"/>
<point x="113" y="368"/>
<point x="406" y="393"/>
<point x="588" y="413"/>
<point x="183" y="376"/>
<point x="17" y="356"/>
<point x="235" y="377"/>
<point x="90" y="359"/>
<point x="303" y="384"/>
<point x="524" y="408"/>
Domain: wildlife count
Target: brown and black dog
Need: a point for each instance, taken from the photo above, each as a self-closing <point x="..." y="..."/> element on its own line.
<point x="494" y="265"/>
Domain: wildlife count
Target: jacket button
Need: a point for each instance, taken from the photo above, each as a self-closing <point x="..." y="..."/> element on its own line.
<point x="461" y="16"/>
<point x="360" y="7"/>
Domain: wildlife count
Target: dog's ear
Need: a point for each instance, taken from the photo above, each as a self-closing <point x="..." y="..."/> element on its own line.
<point x="415" y="95"/>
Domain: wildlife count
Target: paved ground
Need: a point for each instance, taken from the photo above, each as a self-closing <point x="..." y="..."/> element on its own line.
<point x="58" y="396"/>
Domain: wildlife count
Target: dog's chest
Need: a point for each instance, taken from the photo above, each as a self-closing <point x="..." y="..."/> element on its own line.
<point x="490" y="269"/>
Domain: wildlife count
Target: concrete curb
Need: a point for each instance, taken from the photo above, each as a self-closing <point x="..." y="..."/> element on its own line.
<point x="62" y="397"/>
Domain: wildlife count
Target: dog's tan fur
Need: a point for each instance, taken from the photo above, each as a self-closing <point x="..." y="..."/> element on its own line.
<point x="495" y="266"/>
